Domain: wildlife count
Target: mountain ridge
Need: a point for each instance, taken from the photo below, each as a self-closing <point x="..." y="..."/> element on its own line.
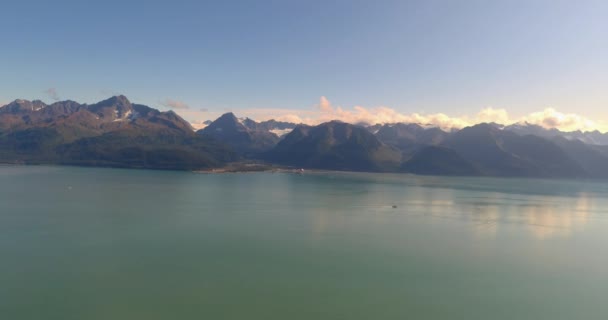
<point x="117" y="132"/>
<point x="112" y="132"/>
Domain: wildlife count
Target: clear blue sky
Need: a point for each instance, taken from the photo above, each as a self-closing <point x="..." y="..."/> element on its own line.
<point x="454" y="57"/>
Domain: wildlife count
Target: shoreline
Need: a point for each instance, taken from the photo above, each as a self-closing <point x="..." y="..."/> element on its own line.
<point x="246" y="167"/>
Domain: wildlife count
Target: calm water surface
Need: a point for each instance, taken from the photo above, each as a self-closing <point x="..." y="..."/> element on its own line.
<point x="82" y="243"/>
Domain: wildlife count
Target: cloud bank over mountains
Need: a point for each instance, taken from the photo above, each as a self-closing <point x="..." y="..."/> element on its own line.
<point x="325" y="111"/>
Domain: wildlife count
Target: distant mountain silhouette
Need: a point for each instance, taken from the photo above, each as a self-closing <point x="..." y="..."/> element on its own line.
<point x="278" y="128"/>
<point x="592" y="158"/>
<point x="590" y="137"/>
<point x="335" y="145"/>
<point x="409" y="137"/>
<point x="245" y="138"/>
<point x="499" y="152"/>
<point x="277" y="125"/>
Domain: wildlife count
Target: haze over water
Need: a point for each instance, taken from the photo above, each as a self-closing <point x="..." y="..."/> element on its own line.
<point x="84" y="243"/>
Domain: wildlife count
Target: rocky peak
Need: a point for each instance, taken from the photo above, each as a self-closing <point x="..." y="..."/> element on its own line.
<point x="226" y="122"/>
<point x="115" y="108"/>
<point x="22" y="106"/>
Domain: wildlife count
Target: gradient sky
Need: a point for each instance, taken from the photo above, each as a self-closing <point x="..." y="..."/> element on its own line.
<point x="453" y="57"/>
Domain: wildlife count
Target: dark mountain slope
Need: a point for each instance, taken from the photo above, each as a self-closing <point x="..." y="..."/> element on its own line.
<point x="144" y="150"/>
<point x="588" y="137"/>
<point x="434" y="160"/>
<point x="503" y="153"/>
<point x="409" y="137"/>
<point x="113" y="132"/>
<point x="272" y="124"/>
<point x="593" y="159"/>
<point x="247" y="141"/>
<point x="335" y="145"/>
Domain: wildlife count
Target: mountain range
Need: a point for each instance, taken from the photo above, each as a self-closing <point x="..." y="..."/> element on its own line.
<point x="113" y="132"/>
<point x="118" y="133"/>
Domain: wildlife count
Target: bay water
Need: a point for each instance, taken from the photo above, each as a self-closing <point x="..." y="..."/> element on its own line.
<point x="90" y="243"/>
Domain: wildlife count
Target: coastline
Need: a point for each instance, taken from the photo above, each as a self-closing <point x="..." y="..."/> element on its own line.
<point x="244" y="167"/>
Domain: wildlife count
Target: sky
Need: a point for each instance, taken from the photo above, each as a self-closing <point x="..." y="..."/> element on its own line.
<point x="443" y="62"/>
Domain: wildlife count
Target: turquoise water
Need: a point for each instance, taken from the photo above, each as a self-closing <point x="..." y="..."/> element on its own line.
<point x="84" y="243"/>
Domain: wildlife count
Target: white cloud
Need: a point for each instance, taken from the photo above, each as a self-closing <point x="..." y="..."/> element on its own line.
<point x="325" y="111"/>
<point x="551" y="118"/>
<point x="325" y="105"/>
<point x="493" y="115"/>
<point x="175" y="104"/>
